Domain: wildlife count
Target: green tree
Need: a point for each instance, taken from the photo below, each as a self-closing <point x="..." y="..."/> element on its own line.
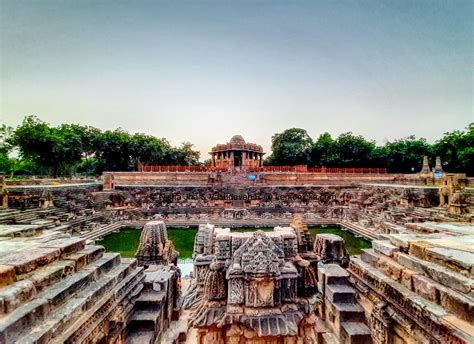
<point x="114" y="151"/>
<point x="405" y="155"/>
<point x="456" y="150"/>
<point x="291" y="147"/>
<point x="185" y="155"/>
<point x="53" y="149"/>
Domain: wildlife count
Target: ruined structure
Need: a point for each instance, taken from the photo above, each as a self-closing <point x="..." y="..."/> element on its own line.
<point x="157" y="305"/>
<point x="283" y="286"/>
<point x="418" y="287"/>
<point x="263" y="287"/>
<point x="237" y="154"/>
<point x="57" y="289"/>
<point x="452" y="194"/>
<point x="425" y="169"/>
<point x="154" y="247"/>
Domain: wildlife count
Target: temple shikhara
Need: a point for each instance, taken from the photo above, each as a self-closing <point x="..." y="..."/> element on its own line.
<point x="261" y="268"/>
<point x="237" y="155"/>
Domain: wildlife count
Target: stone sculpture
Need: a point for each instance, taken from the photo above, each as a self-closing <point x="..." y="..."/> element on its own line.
<point x="154" y="247"/>
<point x="261" y="287"/>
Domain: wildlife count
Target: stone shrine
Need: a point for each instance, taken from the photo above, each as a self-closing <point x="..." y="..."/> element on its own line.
<point x="237" y="155"/>
<point x="260" y="288"/>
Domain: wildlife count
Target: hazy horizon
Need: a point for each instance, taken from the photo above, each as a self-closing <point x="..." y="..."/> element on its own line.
<point x="202" y="72"/>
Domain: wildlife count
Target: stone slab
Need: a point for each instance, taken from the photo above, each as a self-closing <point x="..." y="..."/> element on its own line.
<point x="384" y="247"/>
<point x="27" y="261"/>
<point x="456" y="260"/>
<point x="7" y="275"/>
<point x="438" y="273"/>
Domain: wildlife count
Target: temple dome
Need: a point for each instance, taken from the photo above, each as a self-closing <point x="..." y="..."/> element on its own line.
<point x="237" y="139"/>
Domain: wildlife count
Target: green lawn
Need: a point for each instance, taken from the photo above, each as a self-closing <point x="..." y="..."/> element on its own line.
<point x="126" y="241"/>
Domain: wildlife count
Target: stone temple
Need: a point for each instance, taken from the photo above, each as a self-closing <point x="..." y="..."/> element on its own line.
<point x="237" y="155"/>
<point x="274" y="282"/>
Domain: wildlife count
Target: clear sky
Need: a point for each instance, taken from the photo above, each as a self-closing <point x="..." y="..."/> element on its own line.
<point x="203" y="71"/>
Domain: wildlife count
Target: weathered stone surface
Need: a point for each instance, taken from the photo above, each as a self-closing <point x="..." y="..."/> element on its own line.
<point x="417" y="249"/>
<point x="456" y="260"/>
<point x="390" y="268"/>
<point x="24" y="262"/>
<point x="14" y="294"/>
<point x="384" y="247"/>
<point x="7" y="275"/>
<point x="438" y="273"/>
<point x="67" y="245"/>
<point x="329" y="248"/>
<point x="424" y="287"/>
<point x="407" y="278"/>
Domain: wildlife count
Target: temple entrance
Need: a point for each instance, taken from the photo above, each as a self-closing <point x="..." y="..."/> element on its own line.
<point x="237" y="159"/>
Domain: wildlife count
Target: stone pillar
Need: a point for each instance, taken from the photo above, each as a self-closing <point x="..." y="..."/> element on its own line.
<point x="231" y="162"/>
<point x="213" y="164"/>
<point x="260" y="164"/>
<point x="380" y="324"/>
<point x="425" y="170"/>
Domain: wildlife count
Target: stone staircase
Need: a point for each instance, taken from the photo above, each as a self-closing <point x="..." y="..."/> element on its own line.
<point x="342" y="312"/>
<point x="61" y="290"/>
<point x="102" y="231"/>
<point x="153" y="311"/>
<point x="423" y="273"/>
<point x="359" y="230"/>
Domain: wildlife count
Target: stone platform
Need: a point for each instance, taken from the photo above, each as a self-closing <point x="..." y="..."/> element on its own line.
<point x="56" y="288"/>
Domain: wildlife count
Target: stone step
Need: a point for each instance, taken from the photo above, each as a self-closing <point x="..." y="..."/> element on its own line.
<point x="101" y="266"/>
<point x="332" y="274"/>
<point x="140" y="337"/>
<point x="330" y="338"/>
<point x="131" y="284"/>
<point x="355" y="333"/>
<point x="340" y="293"/>
<point x="150" y="300"/>
<point x="438" y="273"/>
<point x="88" y="255"/>
<point x="145" y="316"/>
<point x="350" y="312"/>
<point x="74" y="308"/>
<point x="53" y="297"/>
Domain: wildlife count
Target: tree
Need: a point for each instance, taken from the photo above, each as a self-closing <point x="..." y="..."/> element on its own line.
<point x="352" y="151"/>
<point x="114" y="151"/>
<point x="322" y="151"/>
<point x="456" y="150"/>
<point x="291" y="147"/>
<point x="149" y="149"/>
<point x="55" y="149"/>
<point x="183" y="155"/>
<point x="405" y="155"/>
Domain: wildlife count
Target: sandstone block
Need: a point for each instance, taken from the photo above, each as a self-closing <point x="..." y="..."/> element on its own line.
<point x="384" y="247"/>
<point x="407" y="278"/>
<point x="7" y="275"/>
<point x="457" y="304"/>
<point x="27" y="261"/>
<point x="424" y="287"/>
<point x="390" y="268"/>
<point x="417" y="249"/>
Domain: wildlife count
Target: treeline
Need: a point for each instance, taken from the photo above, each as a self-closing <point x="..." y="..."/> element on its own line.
<point x="294" y="146"/>
<point x="75" y="149"/>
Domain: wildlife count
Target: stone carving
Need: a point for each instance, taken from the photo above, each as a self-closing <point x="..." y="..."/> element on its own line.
<point x="154" y="247"/>
<point x="330" y="248"/>
<point x="258" y="285"/>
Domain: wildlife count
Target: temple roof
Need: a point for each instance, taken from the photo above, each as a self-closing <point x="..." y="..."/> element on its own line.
<point x="237" y="143"/>
<point x="237" y="139"/>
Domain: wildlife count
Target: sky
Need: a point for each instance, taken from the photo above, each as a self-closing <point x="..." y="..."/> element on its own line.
<point x="202" y="71"/>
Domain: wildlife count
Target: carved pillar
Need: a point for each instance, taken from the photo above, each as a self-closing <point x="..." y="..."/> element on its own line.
<point x="213" y="155"/>
<point x="380" y="323"/>
<point x="260" y="162"/>
<point x="231" y="162"/>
